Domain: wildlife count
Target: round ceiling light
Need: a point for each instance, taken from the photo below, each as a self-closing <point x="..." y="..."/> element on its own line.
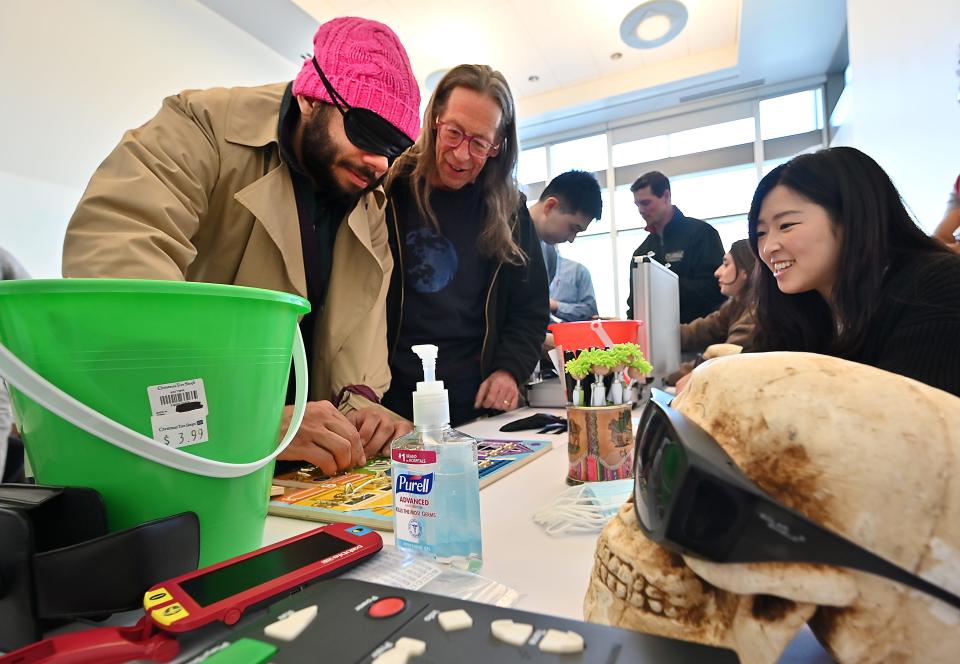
<point x="653" y="23"/>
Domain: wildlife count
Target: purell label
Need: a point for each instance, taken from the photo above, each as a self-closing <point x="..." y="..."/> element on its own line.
<point x="414" y="511"/>
<point x="416" y="484"/>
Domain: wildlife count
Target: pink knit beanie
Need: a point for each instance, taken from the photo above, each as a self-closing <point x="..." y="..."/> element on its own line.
<point x="368" y="66"/>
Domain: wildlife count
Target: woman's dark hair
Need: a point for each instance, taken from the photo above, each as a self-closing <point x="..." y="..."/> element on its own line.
<point x="743" y="261"/>
<point x="876" y="232"/>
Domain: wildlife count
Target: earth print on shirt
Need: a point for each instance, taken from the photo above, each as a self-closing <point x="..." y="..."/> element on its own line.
<point x="433" y="260"/>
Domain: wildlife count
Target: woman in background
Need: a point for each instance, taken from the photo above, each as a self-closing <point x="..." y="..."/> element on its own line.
<point x="733" y="322"/>
<point x="848" y="273"/>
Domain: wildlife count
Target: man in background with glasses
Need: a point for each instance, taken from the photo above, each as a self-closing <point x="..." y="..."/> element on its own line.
<point x="275" y="187"/>
<point x="470" y="275"/>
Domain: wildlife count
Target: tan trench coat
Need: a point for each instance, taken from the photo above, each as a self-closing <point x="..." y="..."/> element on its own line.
<point x="200" y="193"/>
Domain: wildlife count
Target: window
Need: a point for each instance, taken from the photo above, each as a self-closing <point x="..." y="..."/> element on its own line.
<point x="797" y="113"/>
<point x="627" y="243"/>
<point x="583" y="154"/>
<point x="532" y="165"/>
<point x="628" y="216"/>
<point x="595" y="253"/>
<point x="689" y="141"/>
<point x="719" y="193"/>
<point x="639" y="152"/>
<point x="605" y="222"/>
<point x="712" y="137"/>
<point x="731" y="229"/>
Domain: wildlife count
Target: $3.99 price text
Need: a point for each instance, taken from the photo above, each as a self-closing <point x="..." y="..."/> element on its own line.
<point x="193" y="435"/>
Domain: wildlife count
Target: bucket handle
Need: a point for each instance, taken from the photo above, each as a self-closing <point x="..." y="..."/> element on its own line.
<point x="597" y="328"/>
<point x="80" y="415"/>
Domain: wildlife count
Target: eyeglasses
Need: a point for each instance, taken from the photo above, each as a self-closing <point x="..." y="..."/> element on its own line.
<point x="365" y="128"/>
<point x="691" y="498"/>
<point x="452" y="136"/>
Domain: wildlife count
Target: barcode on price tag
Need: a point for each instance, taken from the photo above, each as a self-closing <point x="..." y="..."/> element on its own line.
<point x="178" y="412"/>
<point x="183" y="396"/>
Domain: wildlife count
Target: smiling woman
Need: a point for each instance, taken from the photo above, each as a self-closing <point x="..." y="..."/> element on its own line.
<point x="847" y="272"/>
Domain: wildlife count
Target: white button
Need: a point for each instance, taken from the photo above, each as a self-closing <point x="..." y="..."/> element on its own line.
<point x="392" y="656"/>
<point x="555" y="641"/>
<point x="402" y="651"/>
<point x="292" y="626"/>
<point x="415" y="647"/>
<point x="454" y="620"/>
<point x="516" y="634"/>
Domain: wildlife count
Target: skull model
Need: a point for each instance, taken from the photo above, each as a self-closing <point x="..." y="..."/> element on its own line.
<point x="868" y="454"/>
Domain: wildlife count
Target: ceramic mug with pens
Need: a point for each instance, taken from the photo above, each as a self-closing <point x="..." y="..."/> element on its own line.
<point x="600" y="427"/>
<point x="600" y="444"/>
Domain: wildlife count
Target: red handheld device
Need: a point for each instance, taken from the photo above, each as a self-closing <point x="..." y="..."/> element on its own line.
<point x="225" y="590"/>
<point x="218" y="592"/>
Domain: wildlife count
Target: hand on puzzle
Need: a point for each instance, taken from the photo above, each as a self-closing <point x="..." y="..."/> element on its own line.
<point x="377" y="429"/>
<point x="326" y="439"/>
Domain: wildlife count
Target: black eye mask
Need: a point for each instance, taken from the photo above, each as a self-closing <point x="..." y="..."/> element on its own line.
<point x="366" y="129"/>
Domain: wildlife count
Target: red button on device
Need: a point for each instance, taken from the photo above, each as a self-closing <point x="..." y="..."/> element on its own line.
<point x="386" y="607"/>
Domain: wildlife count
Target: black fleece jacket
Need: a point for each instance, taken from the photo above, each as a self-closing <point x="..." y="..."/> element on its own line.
<point x="693" y="249"/>
<point x="915" y="330"/>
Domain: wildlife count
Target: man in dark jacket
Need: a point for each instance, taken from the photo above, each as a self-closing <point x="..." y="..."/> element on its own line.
<point x="469" y="274"/>
<point x="690" y="247"/>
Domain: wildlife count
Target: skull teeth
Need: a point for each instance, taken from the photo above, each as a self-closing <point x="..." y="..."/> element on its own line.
<point x="614" y="566"/>
<point x="633" y="588"/>
<point x="620" y="591"/>
<point x="611" y="581"/>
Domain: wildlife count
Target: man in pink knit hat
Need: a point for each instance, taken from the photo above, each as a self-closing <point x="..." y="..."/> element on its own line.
<point x="277" y="187"/>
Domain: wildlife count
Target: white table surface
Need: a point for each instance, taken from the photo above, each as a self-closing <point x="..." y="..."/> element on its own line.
<point x="551" y="574"/>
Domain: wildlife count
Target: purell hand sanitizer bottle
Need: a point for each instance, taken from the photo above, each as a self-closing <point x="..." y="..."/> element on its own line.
<point x="436" y="481"/>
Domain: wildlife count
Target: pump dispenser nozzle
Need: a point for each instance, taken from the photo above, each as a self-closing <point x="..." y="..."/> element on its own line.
<point x="428" y="356"/>
<point x="431" y="409"/>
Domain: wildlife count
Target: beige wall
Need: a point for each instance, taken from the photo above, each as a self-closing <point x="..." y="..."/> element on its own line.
<point x="76" y="75"/>
<point x="905" y="86"/>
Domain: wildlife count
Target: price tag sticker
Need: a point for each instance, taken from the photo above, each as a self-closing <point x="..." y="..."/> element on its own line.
<point x="179" y="412"/>
<point x="179" y="430"/>
<point x="183" y="396"/>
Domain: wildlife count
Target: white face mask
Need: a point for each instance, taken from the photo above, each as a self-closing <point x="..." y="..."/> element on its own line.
<point x="584" y="508"/>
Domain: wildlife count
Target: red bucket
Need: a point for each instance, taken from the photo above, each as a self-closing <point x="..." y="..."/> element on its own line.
<point x="595" y="333"/>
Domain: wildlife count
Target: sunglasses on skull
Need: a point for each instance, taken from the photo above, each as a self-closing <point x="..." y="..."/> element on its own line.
<point x="364" y="128"/>
<point x="691" y="498"/>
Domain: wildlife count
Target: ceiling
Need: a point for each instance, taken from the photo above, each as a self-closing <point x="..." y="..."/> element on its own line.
<point x="566" y="45"/>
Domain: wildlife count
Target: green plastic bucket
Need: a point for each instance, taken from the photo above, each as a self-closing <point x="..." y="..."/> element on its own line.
<point x="103" y="369"/>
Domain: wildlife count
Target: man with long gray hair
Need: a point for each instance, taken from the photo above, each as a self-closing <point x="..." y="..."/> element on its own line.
<point x="469" y="272"/>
